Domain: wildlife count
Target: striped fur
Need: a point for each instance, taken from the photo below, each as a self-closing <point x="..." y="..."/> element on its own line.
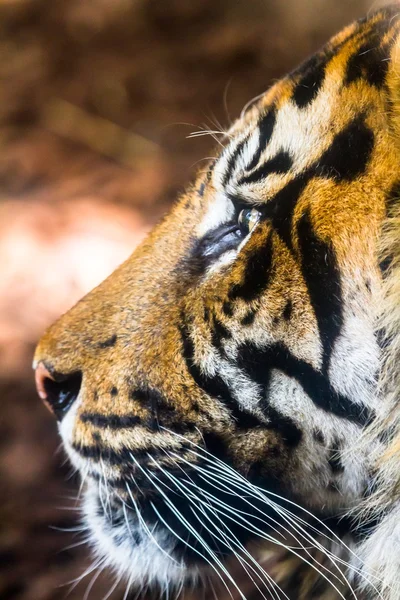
<point x="216" y="391"/>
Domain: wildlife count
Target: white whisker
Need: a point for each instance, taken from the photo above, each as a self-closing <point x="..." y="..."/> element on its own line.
<point x="196" y="500"/>
<point x="256" y="531"/>
<point x="195" y="549"/>
<point x="226" y="540"/>
<point x="113" y="588"/>
<point x="128" y="588"/>
<point x="182" y="519"/>
<point x="294" y="522"/>
<point x="144" y="524"/>
<point x="77" y="580"/>
<point x="91" y="584"/>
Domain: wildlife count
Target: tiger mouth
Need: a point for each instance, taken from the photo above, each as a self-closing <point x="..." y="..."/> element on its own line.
<point x="182" y="517"/>
<point x="192" y="513"/>
<point x="176" y="536"/>
<point x="190" y="509"/>
<point x="185" y="531"/>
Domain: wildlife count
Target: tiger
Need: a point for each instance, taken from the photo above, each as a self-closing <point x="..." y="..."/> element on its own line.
<point x="229" y="393"/>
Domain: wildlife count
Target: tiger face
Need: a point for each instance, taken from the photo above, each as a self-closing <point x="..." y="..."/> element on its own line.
<point x="218" y="379"/>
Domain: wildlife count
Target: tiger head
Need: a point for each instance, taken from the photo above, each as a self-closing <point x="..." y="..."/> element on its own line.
<point x="218" y="379"/>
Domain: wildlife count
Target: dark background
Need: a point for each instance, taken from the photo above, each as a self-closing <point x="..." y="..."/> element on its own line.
<point x="97" y="100"/>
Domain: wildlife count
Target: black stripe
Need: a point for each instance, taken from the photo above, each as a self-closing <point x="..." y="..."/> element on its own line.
<point x="334" y="458"/>
<point x="280" y="209"/>
<point x="218" y="333"/>
<point x="109" y="342"/>
<point x="322" y="277"/>
<point x="257" y="271"/>
<point x="110" y="421"/>
<point x="248" y="319"/>
<point x="258" y="363"/>
<point x="151" y="399"/>
<point x="214" y="386"/>
<point x="283" y="425"/>
<point x="124" y="455"/>
<point x="311" y="81"/>
<point x="266" y="126"/>
<point x="227" y="308"/>
<point x="232" y="163"/>
<point x="348" y="155"/>
<point x="393" y="199"/>
<point x="385" y="264"/>
<point x="345" y="159"/>
<point x="288" y="310"/>
<point x="371" y="61"/>
<point x="217" y="388"/>
<point x="162" y="412"/>
<point x="279" y="164"/>
<point x="171" y="420"/>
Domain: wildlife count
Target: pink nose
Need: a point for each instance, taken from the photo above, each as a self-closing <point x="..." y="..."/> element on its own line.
<point x="42" y="375"/>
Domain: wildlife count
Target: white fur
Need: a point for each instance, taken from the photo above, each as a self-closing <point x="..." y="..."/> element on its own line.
<point x="219" y="211"/>
<point x="141" y="563"/>
<point x="381" y="556"/>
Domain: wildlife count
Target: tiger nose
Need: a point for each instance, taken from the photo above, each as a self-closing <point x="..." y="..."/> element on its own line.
<point x="57" y="391"/>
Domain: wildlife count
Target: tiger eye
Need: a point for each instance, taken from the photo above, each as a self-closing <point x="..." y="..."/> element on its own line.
<point x="248" y="219"/>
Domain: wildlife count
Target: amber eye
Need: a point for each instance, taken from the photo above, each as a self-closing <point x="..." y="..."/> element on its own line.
<point x="248" y="219"/>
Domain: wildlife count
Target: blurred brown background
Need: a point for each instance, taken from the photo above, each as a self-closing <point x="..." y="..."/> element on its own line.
<point x="97" y="100"/>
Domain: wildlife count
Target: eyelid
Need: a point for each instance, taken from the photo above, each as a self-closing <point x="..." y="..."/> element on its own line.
<point x="240" y="203"/>
<point x="212" y="243"/>
<point x="237" y="199"/>
<point x="229" y="229"/>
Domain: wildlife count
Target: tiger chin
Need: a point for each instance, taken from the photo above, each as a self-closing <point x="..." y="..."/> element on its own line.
<point x="229" y="393"/>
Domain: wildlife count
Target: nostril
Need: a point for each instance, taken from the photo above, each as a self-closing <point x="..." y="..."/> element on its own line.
<point x="57" y="391"/>
<point x="62" y="392"/>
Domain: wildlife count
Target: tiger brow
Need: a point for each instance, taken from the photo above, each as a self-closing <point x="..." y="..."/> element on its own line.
<point x="239" y="199"/>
